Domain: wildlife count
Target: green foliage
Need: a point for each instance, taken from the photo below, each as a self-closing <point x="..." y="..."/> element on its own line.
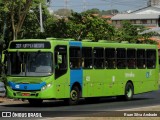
<point x="76" y="25"/>
<point x="149" y="41"/>
<point x="26" y="20"/>
<point x="31" y="27"/>
<point x="63" y="12"/>
<point x="3" y="78"/>
<point x="99" y="12"/>
<point x="109" y="12"/>
<point x="131" y="33"/>
<point x="92" y="11"/>
<point x="82" y="26"/>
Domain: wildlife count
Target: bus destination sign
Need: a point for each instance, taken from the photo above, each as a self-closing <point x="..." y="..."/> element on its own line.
<point x="30" y="45"/>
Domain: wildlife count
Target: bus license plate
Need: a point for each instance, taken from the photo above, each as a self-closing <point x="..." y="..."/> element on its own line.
<point x="25" y="94"/>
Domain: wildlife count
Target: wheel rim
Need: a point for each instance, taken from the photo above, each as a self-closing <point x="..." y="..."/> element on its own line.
<point x="129" y="92"/>
<point x="74" y="95"/>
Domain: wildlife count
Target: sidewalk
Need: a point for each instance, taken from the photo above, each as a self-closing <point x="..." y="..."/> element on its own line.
<point x="10" y="101"/>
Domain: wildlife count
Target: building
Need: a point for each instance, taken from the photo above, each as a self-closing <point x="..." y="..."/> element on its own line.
<point x="148" y="16"/>
<point x="153" y="2"/>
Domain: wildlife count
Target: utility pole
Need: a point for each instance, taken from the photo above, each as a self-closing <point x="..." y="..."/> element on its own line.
<point x="84" y="5"/>
<point x="66" y="6"/>
<point x="4" y="27"/>
<point x="41" y="21"/>
<point x="66" y="3"/>
<point x="111" y="7"/>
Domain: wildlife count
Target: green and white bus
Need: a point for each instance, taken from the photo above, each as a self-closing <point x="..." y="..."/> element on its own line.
<point x="64" y="69"/>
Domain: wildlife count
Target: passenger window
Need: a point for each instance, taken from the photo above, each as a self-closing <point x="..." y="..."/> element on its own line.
<point x="75" y="57"/>
<point x="141" y="62"/>
<point x="151" y="59"/>
<point x="98" y="58"/>
<point x="121" y="58"/>
<point x="110" y="60"/>
<point x="131" y="58"/>
<point x="87" y="58"/>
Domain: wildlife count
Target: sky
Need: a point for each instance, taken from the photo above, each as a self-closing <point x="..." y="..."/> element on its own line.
<point x="82" y="5"/>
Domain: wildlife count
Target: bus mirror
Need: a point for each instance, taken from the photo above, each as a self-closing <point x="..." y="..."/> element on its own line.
<point x="2" y="58"/>
<point x="3" y="55"/>
<point x="59" y="59"/>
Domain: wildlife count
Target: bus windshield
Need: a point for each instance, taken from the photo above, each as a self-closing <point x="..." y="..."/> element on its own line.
<point x="30" y="63"/>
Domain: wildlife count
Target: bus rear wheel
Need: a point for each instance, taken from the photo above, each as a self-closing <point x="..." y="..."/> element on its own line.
<point x="35" y="102"/>
<point x="74" y="96"/>
<point x="129" y="91"/>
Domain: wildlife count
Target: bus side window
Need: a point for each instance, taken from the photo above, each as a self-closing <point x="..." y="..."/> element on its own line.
<point x="75" y="57"/>
<point x="121" y="58"/>
<point x="60" y="57"/>
<point x="87" y="58"/>
<point x="98" y="58"/>
<point x="141" y="59"/>
<point x="131" y="58"/>
<point x="110" y="60"/>
<point x="151" y="58"/>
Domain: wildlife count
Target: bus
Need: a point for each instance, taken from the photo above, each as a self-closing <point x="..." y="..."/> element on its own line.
<point x="65" y="69"/>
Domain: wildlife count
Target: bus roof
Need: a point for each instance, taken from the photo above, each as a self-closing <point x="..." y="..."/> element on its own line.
<point x="89" y="43"/>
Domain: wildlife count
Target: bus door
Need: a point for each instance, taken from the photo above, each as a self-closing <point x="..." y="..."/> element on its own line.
<point x="75" y="63"/>
<point x="61" y="76"/>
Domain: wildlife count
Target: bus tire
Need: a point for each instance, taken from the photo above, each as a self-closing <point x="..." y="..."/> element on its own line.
<point x="129" y="91"/>
<point x="35" y="102"/>
<point x="74" y="96"/>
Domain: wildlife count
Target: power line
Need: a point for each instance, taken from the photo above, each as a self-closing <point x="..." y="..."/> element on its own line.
<point x="84" y="5"/>
<point x="95" y="5"/>
<point x="112" y="3"/>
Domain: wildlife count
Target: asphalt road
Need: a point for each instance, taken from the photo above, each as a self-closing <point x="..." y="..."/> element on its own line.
<point x="58" y="108"/>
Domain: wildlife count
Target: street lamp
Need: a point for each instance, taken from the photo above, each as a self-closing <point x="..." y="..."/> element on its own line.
<point x="40" y="14"/>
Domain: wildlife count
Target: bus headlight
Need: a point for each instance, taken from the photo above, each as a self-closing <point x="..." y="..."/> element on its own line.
<point x="49" y="85"/>
<point x="43" y="88"/>
<point x="46" y="86"/>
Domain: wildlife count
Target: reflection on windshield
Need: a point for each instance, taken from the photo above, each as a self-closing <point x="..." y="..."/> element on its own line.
<point x="30" y="64"/>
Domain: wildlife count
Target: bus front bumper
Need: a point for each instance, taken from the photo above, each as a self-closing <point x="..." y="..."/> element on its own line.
<point x="47" y="93"/>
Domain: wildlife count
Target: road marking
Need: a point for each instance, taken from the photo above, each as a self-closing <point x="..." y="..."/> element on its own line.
<point x="140" y="108"/>
<point x="61" y="118"/>
<point x="77" y="118"/>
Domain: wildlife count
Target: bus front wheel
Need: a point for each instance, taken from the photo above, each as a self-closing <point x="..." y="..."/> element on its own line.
<point x="74" y="96"/>
<point x="129" y="91"/>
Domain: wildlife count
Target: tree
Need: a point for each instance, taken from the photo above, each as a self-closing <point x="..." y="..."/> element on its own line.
<point x="109" y="12"/>
<point x="128" y="32"/>
<point x="17" y="11"/>
<point x="92" y="27"/>
<point x="99" y="12"/>
<point x="92" y="11"/>
<point x="82" y="26"/>
<point x="63" y="12"/>
<point x="131" y="33"/>
<point x="31" y="26"/>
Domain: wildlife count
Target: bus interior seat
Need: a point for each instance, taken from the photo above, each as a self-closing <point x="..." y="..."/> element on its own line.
<point x="43" y="69"/>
